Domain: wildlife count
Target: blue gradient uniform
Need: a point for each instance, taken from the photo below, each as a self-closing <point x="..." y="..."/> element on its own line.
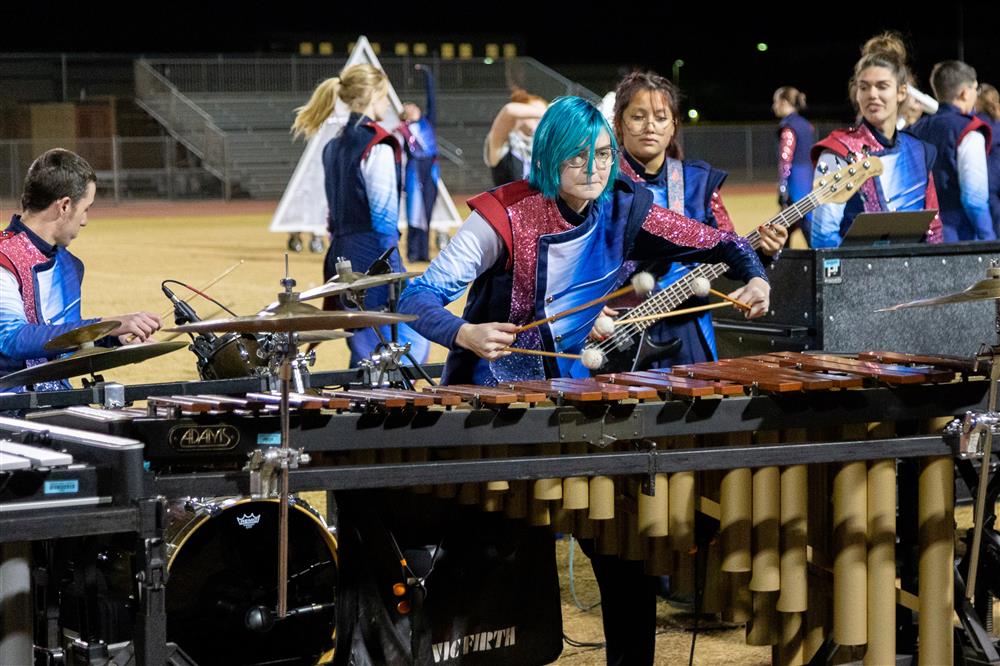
<point x="906" y="183"/>
<point x="691" y="186"/>
<point x="965" y="211"/>
<point x="422" y="174"/>
<point x="362" y="167"/>
<point x="39" y="299"/>
<point x="528" y="257"/>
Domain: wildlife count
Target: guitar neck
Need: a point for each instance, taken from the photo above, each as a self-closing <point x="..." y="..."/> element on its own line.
<point x="787" y="217"/>
<point x="680" y="291"/>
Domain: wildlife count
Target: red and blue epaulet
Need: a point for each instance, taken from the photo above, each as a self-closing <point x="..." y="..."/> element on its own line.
<point x="5" y="261"/>
<point x="382" y="136"/>
<point x="834" y="142"/>
<point x="493" y="205"/>
<point x="977" y="125"/>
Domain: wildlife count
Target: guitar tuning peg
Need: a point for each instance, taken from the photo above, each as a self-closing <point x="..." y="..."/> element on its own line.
<point x="823" y="167"/>
<point x="851" y="158"/>
<point x="865" y="150"/>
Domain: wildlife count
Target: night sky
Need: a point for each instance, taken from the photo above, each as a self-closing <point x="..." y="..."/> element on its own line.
<point x="724" y="74"/>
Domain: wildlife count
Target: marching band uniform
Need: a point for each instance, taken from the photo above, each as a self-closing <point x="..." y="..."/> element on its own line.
<point x="362" y="167"/>
<point x="795" y="137"/>
<point x="960" y="172"/>
<point x="690" y="187"/>
<point x="422" y="173"/>
<point x="529" y="257"/>
<point x="906" y="183"/>
<point x="39" y="299"/>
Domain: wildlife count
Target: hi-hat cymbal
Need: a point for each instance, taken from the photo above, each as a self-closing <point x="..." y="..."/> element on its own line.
<point x="336" y="287"/>
<point x="983" y="290"/>
<point x="290" y="307"/>
<point x="82" y="335"/>
<point x="291" y="322"/>
<point x="88" y="361"/>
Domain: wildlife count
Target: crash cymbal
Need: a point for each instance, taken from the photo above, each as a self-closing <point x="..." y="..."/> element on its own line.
<point x="983" y="290"/>
<point x="336" y="287"/>
<point x="88" y="361"/>
<point x="291" y="322"/>
<point x="81" y="336"/>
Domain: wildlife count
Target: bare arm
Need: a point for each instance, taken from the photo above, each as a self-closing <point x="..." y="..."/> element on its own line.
<point x="504" y="123"/>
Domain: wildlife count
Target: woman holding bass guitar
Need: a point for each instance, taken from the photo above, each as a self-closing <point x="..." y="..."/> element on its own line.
<point x="646" y="112"/>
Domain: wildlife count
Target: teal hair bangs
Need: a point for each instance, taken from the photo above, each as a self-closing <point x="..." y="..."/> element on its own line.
<point x="570" y="125"/>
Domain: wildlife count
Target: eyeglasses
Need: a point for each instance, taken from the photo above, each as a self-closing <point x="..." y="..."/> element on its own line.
<point x="659" y="123"/>
<point x="603" y="157"/>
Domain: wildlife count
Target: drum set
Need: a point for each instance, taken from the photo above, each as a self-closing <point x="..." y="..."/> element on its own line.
<point x="236" y="594"/>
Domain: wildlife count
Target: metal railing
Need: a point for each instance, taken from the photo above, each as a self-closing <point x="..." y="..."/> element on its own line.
<point x="127" y="167"/>
<point x="183" y="119"/>
<point x="297" y="74"/>
<point x="156" y="167"/>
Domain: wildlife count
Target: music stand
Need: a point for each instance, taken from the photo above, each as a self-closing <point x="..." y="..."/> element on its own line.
<point x="898" y="228"/>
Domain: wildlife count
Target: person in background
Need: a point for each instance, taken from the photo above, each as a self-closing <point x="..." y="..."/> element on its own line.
<point x="962" y="141"/>
<point x="645" y="119"/>
<point x="988" y="106"/>
<point x="507" y="151"/>
<point x="877" y="88"/>
<point x="362" y="167"/>
<point x="422" y="169"/>
<point x="795" y="137"/>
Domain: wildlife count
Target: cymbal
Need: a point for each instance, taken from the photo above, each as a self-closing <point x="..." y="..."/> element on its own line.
<point x="82" y="335"/>
<point x="290" y="307"/>
<point x="88" y="361"/>
<point x="335" y="287"/>
<point x="292" y="322"/>
<point x="983" y="290"/>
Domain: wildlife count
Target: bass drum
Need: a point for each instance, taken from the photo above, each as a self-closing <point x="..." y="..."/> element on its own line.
<point x="231" y="356"/>
<point x="223" y="570"/>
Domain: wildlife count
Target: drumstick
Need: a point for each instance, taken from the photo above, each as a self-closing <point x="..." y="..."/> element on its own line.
<point x="590" y="358"/>
<point x="739" y="304"/>
<point x="642" y="283"/>
<point x="210" y="284"/>
<point x="132" y="338"/>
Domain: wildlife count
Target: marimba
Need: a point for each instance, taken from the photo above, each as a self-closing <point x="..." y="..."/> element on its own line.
<point x="793" y="454"/>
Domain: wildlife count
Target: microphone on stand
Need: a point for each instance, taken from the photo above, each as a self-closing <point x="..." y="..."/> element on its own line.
<point x="183" y="313"/>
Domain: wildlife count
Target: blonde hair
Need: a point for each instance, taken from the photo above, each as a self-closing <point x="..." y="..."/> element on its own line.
<point x="357" y="86"/>
<point x="989" y="101"/>
<point x="793" y="96"/>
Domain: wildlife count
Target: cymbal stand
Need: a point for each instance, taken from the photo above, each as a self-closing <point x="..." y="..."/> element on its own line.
<point x="987" y="448"/>
<point x="299" y="363"/>
<point x="266" y="464"/>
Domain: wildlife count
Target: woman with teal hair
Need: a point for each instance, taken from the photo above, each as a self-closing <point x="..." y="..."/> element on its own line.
<point x="537" y="247"/>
